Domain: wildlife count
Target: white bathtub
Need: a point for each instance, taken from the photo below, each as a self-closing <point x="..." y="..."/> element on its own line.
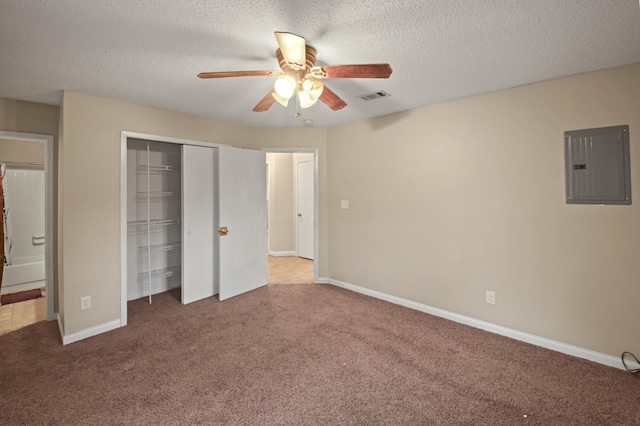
<point x="23" y="274"/>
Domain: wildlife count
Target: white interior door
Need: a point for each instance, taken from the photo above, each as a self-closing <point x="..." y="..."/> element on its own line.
<point x="305" y="217"/>
<point x="198" y="190"/>
<point x="243" y="211"/>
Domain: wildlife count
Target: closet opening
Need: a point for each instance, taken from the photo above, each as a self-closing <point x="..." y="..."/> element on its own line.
<point x="154" y="213"/>
<point x="193" y="219"/>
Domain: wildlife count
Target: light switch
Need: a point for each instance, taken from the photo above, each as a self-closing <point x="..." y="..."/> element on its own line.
<point x="344" y="204"/>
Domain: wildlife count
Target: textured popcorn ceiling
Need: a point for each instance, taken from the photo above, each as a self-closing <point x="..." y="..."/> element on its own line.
<point x="149" y="51"/>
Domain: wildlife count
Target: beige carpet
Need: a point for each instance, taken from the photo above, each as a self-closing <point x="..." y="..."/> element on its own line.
<point x="290" y="270"/>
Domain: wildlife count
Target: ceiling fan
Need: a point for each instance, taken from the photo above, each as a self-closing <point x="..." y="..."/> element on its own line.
<point x="299" y="77"/>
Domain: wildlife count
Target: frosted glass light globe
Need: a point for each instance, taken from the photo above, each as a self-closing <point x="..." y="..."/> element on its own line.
<point x="284" y="87"/>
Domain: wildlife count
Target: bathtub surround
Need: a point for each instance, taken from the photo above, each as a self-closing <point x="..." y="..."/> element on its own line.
<point x="24" y="234"/>
<point x="29" y="155"/>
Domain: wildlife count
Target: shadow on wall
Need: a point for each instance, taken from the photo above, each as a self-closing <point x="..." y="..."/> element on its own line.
<point x="380" y="123"/>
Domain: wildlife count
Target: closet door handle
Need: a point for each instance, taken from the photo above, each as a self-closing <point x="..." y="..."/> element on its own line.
<point x="223" y="231"/>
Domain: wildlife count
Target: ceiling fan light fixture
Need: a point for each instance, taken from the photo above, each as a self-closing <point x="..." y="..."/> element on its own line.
<point x="305" y="100"/>
<point x="285" y="86"/>
<point x="299" y="76"/>
<point x="313" y="88"/>
<point x="282" y="101"/>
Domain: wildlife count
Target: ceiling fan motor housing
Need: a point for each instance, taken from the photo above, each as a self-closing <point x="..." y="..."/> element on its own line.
<point x="310" y="61"/>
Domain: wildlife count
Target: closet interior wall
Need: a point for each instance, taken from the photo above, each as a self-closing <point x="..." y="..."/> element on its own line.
<point x="154" y="246"/>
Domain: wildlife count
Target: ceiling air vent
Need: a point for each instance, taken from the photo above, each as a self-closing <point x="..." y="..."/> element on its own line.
<point x="374" y="95"/>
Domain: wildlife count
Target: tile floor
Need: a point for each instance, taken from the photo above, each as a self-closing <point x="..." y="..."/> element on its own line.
<point x="17" y="315"/>
<point x="289" y="270"/>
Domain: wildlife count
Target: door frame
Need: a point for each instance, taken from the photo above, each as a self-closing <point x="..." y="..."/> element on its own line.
<point x="313" y="151"/>
<point x="50" y="284"/>
<point x="124" y="135"/>
<point x="268" y="182"/>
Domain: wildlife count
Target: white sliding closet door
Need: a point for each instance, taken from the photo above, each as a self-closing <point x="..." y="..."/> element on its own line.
<point x="198" y="194"/>
<point x="243" y="211"/>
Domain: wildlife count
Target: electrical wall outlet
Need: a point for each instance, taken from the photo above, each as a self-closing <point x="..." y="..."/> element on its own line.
<point x="490" y="297"/>
<point x="85" y="302"/>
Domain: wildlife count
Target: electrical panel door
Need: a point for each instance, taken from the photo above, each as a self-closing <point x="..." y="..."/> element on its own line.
<point x="597" y="166"/>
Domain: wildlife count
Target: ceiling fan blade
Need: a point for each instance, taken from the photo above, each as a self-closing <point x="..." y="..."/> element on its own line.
<point x="293" y="49"/>
<point x="225" y="74"/>
<point x="332" y="100"/>
<point x="352" y="71"/>
<point x="265" y="103"/>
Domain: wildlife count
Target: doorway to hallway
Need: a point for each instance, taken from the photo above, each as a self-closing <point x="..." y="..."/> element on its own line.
<point x="292" y="216"/>
<point x="289" y="270"/>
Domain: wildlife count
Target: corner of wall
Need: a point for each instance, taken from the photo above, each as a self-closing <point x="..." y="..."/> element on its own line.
<point x="58" y="190"/>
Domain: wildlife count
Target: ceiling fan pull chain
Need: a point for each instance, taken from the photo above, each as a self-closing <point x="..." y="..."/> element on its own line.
<point x="298" y="113"/>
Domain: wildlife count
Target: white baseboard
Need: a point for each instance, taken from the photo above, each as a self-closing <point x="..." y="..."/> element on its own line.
<point x="88" y="332"/>
<point x="555" y="345"/>
<point x="282" y="253"/>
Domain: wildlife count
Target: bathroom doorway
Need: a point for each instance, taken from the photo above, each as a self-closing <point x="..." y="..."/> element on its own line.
<point x="27" y="291"/>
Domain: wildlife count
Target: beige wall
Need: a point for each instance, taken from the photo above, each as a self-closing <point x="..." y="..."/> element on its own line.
<point x="25" y="152"/>
<point x="281" y="219"/>
<point x="451" y="200"/>
<point x="28" y="117"/>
